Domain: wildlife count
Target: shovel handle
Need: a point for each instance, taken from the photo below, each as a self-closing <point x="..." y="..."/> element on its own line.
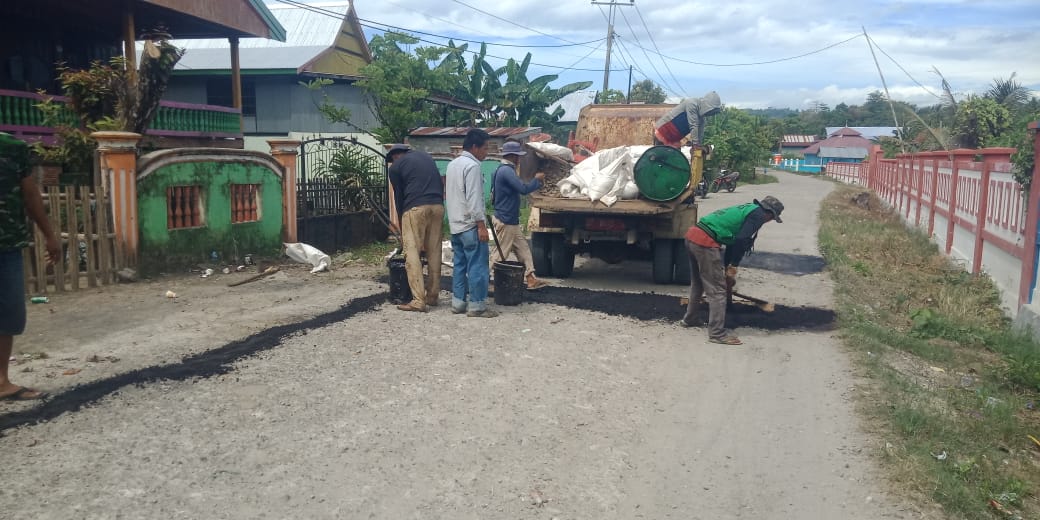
<point x="494" y="234"/>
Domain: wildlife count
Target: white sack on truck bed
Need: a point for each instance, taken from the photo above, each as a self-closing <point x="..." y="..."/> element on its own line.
<point x="606" y="176"/>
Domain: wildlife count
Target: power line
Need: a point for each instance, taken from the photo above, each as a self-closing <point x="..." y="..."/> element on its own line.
<point x="665" y="86"/>
<point x="926" y="89"/>
<point x="648" y="60"/>
<point x="648" y="33"/>
<point x="789" y="58"/>
<point x="336" y="15"/>
<point x="511" y="22"/>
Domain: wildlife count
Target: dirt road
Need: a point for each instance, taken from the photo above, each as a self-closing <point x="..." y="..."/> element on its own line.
<point x="274" y="400"/>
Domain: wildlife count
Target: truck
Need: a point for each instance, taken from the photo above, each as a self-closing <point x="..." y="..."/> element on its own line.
<point x="640" y="228"/>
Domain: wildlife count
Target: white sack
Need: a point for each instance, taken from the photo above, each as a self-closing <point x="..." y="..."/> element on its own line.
<point x="554" y="150"/>
<point x="306" y="254"/>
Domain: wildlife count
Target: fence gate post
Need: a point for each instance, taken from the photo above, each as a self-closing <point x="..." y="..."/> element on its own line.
<point x="118" y="157"/>
<point x="1032" y="253"/>
<point x="285" y="152"/>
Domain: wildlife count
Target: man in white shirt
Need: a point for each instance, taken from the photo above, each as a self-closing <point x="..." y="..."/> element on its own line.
<point x="464" y="201"/>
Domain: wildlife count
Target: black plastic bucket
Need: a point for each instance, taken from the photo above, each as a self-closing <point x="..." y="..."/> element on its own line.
<point x="509" y="283"/>
<point x="400" y="293"/>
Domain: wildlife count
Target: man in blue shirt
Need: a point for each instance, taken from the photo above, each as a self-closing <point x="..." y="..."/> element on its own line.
<point x="506" y="189"/>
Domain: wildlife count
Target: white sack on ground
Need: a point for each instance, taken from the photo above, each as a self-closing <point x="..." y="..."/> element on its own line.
<point x="306" y="254"/>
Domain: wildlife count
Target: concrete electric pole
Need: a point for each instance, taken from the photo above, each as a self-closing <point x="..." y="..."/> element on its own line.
<point x="610" y="40"/>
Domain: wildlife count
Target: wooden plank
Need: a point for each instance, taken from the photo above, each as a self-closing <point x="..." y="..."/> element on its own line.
<point x="72" y="204"/>
<point x="91" y="234"/>
<point x="54" y="213"/>
<point x="27" y="267"/>
<point x="621" y="207"/>
<point x="104" y="252"/>
<point x="41" y="263"/>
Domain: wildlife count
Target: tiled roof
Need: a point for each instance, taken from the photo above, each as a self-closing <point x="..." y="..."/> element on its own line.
<point x="869" y="132"/>
<point x="845" y="143"/>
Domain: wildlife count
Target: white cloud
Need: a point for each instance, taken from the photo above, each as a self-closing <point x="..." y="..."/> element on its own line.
<point x="970" y="42"/>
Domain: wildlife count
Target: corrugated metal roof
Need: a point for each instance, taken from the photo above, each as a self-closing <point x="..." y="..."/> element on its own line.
<point x="303" y="28"/>
<point x="797" y="139"/>
<point x="253" y="58"/>
<point x="460" y="131"/>
<point x="572" y="104"/>
<point x="869" y="132"/>
<point x="843" y="152"/>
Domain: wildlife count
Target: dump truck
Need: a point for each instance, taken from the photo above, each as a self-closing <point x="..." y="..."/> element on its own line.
<point x="648" y="227"/>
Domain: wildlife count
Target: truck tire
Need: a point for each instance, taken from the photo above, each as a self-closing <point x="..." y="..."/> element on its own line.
<point x="561" y="258"/>
<point x="664" y="261"/>
<point x="540" y="253"/>
<point x="682" y="263"/>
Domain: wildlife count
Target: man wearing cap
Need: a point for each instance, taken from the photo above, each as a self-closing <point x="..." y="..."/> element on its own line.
<point x="687" y="118"/>
<point x="419" y="196"/>
<point x="506" y="189"/>
<point x="735" y="227"/>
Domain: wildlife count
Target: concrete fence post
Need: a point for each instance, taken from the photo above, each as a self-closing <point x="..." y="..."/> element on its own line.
<point x="118" y="158"/>
<point x="1029" y="267"/>
<point x="285" y="151"/>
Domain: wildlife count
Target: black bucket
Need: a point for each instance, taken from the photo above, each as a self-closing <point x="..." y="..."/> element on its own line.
<point x="509" y="283"/>
<point x="400" y="293"/>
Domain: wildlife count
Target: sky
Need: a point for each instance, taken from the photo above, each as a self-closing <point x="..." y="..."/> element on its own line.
<point x="754" y="53"/>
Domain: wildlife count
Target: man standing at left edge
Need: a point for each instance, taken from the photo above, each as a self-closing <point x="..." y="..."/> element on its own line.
<point x="419" y="195"/>
<point x="19" y="196"/>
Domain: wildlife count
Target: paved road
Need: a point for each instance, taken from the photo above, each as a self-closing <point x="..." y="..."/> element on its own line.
<point x="547" y="412"/>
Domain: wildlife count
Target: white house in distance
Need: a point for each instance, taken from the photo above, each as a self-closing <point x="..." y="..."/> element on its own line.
<point x="325" y="40"/>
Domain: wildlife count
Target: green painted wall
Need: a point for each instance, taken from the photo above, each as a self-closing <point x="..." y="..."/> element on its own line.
<point x="164" y="249"/>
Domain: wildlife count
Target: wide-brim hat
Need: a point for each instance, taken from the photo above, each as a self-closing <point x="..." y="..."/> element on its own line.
<point x="513" y="148"/>
<point x="772" y="205"/>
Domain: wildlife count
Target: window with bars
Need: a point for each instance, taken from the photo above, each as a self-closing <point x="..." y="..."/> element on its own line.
<point x="184" y="207"/>
<point x="245" y="203"/>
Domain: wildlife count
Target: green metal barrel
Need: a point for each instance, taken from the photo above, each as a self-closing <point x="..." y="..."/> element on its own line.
<point x="662" y="173"/>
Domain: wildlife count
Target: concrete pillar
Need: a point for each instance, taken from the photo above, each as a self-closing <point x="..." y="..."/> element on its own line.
<point x="285" y="151"/>
<point x="118" y="151"/>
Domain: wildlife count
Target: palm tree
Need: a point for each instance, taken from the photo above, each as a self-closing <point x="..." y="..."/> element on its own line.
<point x="1009" y="93"/>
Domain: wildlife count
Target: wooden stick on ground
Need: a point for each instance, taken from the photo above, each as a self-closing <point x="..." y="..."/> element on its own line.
<point x="267" y="272"/>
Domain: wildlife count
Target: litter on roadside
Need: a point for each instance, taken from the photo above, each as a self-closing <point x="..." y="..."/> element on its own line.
<point x="307" y="254"/>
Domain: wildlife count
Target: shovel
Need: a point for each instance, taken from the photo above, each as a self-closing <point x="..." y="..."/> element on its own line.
<point x="763" y="305"/>
<point x="494" y="234"/>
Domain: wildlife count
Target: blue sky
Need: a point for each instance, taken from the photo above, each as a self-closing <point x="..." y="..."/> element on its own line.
<point x="969" y="42"/>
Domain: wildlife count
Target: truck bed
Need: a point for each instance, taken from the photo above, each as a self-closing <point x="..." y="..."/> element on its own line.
<point x="621" y="207"/>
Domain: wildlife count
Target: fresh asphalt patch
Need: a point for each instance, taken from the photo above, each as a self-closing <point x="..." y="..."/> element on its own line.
<point x="218" y="361"/>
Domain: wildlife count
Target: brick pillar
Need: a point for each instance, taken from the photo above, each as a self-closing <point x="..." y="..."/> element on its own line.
<point x="118" y="151"/>
<point x="285" y="151"/>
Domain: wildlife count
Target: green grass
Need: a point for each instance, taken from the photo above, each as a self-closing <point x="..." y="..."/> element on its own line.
<point x="945" y="371"/>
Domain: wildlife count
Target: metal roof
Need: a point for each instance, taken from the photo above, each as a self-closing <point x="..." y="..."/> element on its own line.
<point x="252" y="58"/>
<point x="303" y="28"/>
<point x="869" y="132"/>
<point x="460" y="131"/>
<point x="843" y="152"/>
<point x="572" y="104"/>
<point x="797" y="139"/>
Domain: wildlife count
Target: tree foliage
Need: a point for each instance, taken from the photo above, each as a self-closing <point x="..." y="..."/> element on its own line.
<point x="647" y="91"/>
<point x="740" y="139"/>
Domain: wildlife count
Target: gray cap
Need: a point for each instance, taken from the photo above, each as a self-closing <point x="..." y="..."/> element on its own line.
<point x="513" y="148"/>
<point x="772" y="205"/>
<point x="398" y="147"/>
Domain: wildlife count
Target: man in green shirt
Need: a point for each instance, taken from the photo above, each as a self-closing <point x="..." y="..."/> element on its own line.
<point x="19" y="196"/>
<point x="735" y="227"/>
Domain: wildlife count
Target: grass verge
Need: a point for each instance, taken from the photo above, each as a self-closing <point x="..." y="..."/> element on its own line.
<point x="953" y="389"/>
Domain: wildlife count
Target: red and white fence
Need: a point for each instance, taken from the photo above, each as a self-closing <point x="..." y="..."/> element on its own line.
<point x="968" y="202"/>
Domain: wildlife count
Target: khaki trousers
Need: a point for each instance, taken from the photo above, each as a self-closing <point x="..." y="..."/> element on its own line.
<point x="421" y="231"/>
<point x="707" y="277"/>
<point x="511" y="240"/>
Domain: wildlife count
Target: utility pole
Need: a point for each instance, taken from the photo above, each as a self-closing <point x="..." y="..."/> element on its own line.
<point x="628" y="99"/>
<point x="610" y="39"/>
<point x="899" y="132"/>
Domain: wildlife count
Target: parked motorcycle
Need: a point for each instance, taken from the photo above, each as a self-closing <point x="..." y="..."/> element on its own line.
<point x="701" y="190"/>
<point x="726" y="180"/>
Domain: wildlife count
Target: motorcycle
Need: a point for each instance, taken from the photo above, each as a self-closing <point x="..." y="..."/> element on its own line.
<point x="726" y="180"/>
<point x="701" y="190"/>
